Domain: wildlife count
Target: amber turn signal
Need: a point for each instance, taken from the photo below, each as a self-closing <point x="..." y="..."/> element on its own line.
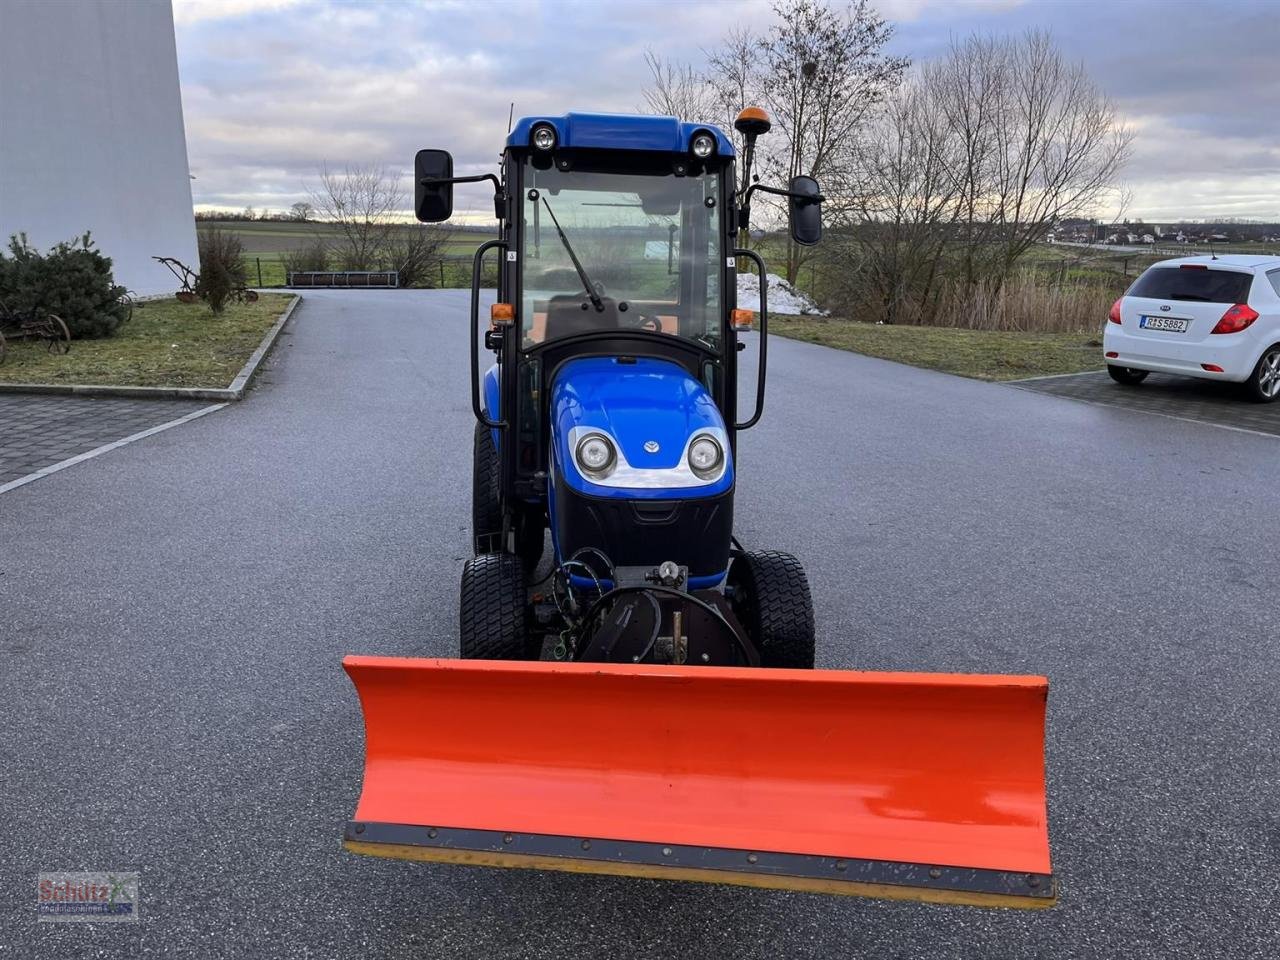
<point x="502" y="314"/>
<point x="742" y="319"/>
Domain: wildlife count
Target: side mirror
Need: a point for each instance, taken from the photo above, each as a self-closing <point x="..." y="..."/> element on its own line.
<point x="432" y="202"/>
<point x="806" y="211"/>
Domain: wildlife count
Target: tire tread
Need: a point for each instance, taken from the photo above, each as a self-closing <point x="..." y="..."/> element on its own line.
<point x="779" y="617"/>
<point x="486" y="501"/>
<point x="492" y="615"/>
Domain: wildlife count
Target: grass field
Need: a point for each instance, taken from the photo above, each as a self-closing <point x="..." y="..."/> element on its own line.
<point x="265" y="241"/>
<point x="981" y="354"/>
<point x="166" y="344"/>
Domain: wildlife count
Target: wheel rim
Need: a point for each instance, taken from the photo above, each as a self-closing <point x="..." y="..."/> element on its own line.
<point x="1269" y="374"/>
<point x="57" y="335"/>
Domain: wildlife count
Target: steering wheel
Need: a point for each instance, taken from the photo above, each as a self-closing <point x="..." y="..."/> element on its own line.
<point x="637" y="321"/>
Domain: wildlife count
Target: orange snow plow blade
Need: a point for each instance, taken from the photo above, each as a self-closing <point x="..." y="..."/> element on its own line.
<point x="902" y="785"/>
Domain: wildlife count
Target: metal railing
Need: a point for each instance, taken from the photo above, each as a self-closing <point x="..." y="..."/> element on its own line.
<point x="359" y="279"/>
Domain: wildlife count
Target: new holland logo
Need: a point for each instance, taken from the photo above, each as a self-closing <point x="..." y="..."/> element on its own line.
<point x="651" y="446"/>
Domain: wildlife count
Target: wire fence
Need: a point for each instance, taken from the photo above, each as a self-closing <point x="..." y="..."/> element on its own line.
<point x="449" y="271"/>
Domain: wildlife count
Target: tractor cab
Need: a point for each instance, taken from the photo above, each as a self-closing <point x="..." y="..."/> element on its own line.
<point x="610" y="413"/>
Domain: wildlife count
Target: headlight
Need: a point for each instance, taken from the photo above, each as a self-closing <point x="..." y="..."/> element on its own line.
<point x="703" y="146"/>
<point x="705" y="457"/>
<point x="544" y="137"/>
<point x="596" y="455"/>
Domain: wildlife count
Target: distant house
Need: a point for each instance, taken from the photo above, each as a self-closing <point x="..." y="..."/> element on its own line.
<point x="91" y="133"/>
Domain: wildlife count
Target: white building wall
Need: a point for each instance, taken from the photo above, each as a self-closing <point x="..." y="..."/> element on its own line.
<point x="91" y="134"/>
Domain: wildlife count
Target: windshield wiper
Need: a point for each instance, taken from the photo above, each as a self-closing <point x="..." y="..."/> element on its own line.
<point x="577" y="264"/>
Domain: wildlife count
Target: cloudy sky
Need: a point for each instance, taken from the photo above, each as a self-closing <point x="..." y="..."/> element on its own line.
<point x="274" y="88"/>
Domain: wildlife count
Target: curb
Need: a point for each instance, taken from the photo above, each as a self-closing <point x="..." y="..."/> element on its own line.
<point x="241" y="382"/>
<point x="1051" y="376"/>
<point x="235" y="391"/>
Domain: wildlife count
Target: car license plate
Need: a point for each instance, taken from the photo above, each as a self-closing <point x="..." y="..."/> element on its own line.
<point x="1167" y="324"/>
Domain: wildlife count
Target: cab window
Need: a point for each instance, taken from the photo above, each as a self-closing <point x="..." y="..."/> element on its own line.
<point x="647" y="245"/>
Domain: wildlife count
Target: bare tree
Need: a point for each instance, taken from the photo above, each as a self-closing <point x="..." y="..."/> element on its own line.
<point x="677" y="90"/>
<point x="301" y="211"/>
<point x="982" y="152"/>
<point x="313" y="256"/>
<point x="819" y="71"/>
<point x="1039" y="142"/>
<point x="891" y="237"/>
<point x="734" y="77"/>
<point x="822" y="74"/>
<point x="416" y="251"/>
<point x="364" y="202"/>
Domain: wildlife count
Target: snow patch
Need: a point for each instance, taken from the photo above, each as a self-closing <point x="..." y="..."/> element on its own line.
<point x="783" y="297"/>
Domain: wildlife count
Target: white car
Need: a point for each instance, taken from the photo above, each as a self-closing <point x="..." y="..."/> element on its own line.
<point x="1212" y="317"/>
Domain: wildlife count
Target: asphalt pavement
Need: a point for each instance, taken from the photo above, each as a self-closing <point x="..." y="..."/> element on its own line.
<point x="173" y="613"/>
<point x="1187" y="398"/>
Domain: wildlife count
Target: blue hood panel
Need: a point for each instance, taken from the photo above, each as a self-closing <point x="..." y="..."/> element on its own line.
<point x="634" y="403"/>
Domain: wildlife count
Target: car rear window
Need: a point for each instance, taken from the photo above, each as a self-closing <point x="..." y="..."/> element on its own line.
<point x="1181" y="283"/>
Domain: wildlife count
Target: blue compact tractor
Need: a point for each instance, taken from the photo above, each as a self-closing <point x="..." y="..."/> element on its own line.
<point x="611" y="417"/>
<point x="641" y="742"/>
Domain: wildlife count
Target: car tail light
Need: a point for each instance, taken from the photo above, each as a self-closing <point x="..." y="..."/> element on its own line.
<point x="1111" y="354"/>
<point x="1212" y="368"/>
<point x="1237" y="318"/>
<point x="1114" y="315"/>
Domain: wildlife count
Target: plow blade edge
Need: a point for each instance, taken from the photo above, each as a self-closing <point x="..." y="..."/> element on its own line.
<point x="916" y="786"/>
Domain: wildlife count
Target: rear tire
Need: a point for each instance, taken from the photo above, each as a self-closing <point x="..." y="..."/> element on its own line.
<point x="486" y="508"/>
<point x="1129" y="376"/>
<point x="493" y="613"/>
<point x="771" y="598"/>
<point x="486" y="499"/>
<point x="1263" y="385"/>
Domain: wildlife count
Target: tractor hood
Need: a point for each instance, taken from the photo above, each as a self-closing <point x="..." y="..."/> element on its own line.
<point x="651" y="411"/>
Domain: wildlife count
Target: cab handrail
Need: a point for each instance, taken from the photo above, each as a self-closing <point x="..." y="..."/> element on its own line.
<point x="476" y="264"/>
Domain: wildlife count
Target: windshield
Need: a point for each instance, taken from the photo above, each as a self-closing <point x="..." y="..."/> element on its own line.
<point x="648" y="244"/>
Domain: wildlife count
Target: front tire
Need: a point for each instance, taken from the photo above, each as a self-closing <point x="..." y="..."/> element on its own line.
<point x="1129" y="376"/>
<point x="771" y="598"/>
<point x="493" y="613"/>
<point x="1263" y="385"/>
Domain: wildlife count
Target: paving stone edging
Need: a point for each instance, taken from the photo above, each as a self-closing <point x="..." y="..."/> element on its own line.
<point x="235" y="391"/>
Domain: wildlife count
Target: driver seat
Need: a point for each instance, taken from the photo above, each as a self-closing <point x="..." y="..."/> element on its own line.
<point x="572" y="313"/>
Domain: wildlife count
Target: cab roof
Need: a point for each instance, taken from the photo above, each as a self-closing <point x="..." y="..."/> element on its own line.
<point x="1235" y="261"/>
<point x="620" y="131"/>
